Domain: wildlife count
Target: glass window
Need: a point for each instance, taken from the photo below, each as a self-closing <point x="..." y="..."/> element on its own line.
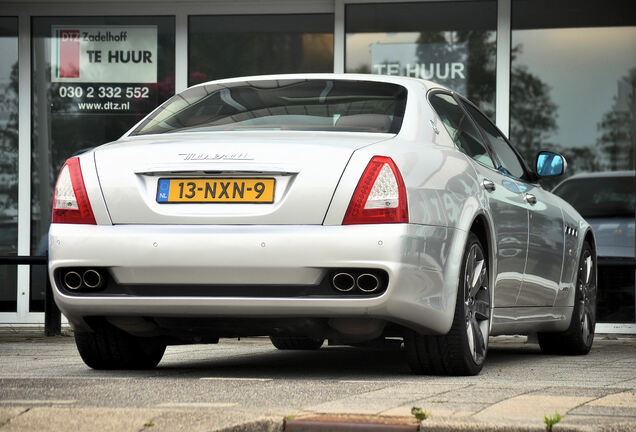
<point x="8" y="159"/>
<point x="451" y="43"/>
<point x="93" y="78"/>
<point x="601" y="197"/>
<point x="510" y="163"/>
<point x="608" y="201"/>
<point x="241" y="45"/>
<point x="315" y="105"/>
<point x="573" y="75"/>
<point x="460" y="128"/>
<point x="573" y="90"/>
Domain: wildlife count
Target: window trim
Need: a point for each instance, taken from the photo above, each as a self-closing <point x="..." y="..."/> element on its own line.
<point x="529" y="176"/>
<point x="433" y="92"/>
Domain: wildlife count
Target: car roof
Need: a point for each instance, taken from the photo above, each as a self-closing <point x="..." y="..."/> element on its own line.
<point x="601" y="174"/>
<point x="395" y="79"/>
<point x="595" y="175"/>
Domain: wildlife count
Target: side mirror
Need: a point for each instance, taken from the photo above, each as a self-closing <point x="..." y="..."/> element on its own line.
<point x="550" y="164"/>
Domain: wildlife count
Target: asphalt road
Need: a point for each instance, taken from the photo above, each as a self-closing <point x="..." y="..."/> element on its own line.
<point x="44" y="385"/>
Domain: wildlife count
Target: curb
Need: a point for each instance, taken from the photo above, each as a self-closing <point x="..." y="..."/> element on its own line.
<point x="357" y="423"/>
<point x="351" y="423"/>
<point x="266" y="424"/>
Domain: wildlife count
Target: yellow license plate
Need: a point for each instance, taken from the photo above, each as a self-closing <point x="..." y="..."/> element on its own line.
<point x="216" y="190"/>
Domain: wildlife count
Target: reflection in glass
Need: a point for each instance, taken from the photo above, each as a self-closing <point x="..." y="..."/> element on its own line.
<point x="8" y="159"/>
<point x="549" y="164"/>
<point x="300" y="105"/>
<point x="570" y="93"/>
<point x="451" y="43"/>
<point x="573" y="90"/>
<point x="241" y="45"/>
<point x="80" y="109"/>
<point x="608" y="202"/>
<point x="461" y="130"/>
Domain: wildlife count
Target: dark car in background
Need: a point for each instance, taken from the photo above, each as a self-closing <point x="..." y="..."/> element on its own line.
<point x="607" y="200"/>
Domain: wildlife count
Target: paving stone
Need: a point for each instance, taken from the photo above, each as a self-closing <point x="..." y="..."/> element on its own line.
<point x="80" y="419"/>
<point x="9" y="413"/>
<point x="532" y="407"/>
<point x="605" y="411"/>
<point x="624" y="399"/>
<point x="359" y="405"/>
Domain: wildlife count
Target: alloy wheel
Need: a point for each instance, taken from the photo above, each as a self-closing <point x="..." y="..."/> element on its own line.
<point x="477" y="303"/>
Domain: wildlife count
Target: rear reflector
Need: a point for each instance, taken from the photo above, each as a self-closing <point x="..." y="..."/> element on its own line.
<point x="70" y="201"/>
<point x="380" y="196"/>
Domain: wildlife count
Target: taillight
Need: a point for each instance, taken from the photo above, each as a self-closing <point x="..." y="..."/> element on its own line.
<point x="70" y="201"/>
<point x="380" y="196"/>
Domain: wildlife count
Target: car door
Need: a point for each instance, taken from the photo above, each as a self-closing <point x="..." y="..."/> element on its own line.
<point x="507" y="207"/>
<point x="544" y="260"/>
<point x="545" y="250"/>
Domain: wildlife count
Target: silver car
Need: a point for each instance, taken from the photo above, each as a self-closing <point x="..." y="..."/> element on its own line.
<point x="309" y="207"/>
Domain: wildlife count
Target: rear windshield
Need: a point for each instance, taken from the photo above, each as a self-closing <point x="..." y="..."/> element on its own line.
<point x="300" y="105"/>
<point x="604" y="197"/>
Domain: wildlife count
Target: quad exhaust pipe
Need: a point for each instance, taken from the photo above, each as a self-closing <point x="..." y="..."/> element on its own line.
<point x="365" y="282"/>
<point x="72" y="280"/>
<point x="90" y="279"/>
<point x="343" y="282"/>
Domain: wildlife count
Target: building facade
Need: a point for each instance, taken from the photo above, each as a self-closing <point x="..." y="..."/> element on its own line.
<point x="73" y="75"/>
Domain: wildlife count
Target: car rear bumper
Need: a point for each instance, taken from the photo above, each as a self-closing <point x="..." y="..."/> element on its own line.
<point x="420" y="294"/>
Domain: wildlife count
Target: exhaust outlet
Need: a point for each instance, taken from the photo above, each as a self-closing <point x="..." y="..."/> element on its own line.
<point x="343" y="282"/>
<point x="72" y="280"/>
<point x="367" y="282"/>
<point x="92" y="279"/>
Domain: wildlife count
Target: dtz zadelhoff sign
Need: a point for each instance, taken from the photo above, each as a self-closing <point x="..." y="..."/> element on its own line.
<point x="104" y="54"/>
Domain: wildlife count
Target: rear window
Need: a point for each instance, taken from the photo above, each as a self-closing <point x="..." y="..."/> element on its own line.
<point x="300" y="105"/>
<point x="600" y="197"/>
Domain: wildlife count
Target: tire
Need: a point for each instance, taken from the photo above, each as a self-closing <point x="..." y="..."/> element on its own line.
<point x="111" y="348"/>
<point x="462" y="351"/>
<point x="578" y="338"/>
<point x="296" y="343"/>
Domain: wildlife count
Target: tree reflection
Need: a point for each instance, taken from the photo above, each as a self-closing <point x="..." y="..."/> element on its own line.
<point x="9" y="188"/>
<point x="476" y="49"/>
<point x="533" y="113"/>
<point x="618" y="127"/>
<point x="9" y="147"/>
<point x="224" y="55"/>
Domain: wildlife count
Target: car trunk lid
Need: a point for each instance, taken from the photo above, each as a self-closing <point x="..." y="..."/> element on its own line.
<point x="300" y="169"/>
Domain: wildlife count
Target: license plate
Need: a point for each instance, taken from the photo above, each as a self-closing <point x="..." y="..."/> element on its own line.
<point x="216" y="190"/>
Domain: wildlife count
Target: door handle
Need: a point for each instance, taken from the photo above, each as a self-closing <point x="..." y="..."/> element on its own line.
<point x="489" y="185"/>
<point x="530" y="199"/>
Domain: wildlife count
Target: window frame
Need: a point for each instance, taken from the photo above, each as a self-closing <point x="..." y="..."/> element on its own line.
<point x="529" y="175"/>
<point x="486" y="145"/>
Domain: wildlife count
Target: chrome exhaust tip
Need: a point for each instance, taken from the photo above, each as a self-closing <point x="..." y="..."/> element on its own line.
<point x="92" y="279"/>
<point x="72" y="280"/>
<point x="343" y="282"/>
<point x="367" y="282"/>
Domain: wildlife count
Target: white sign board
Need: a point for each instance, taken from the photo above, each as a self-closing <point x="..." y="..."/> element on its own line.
<point x="104" y="54"/>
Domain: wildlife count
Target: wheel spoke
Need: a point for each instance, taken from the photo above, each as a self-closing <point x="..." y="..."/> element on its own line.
<point x="480" y="343"/>
<point x="470" y="271"/>
<point x="481" y="309"/>
<point x="471" y="337"/>
<point x="585" y="326"/>
<point x="479" y="272"/>
<point x="588" y="269"/>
